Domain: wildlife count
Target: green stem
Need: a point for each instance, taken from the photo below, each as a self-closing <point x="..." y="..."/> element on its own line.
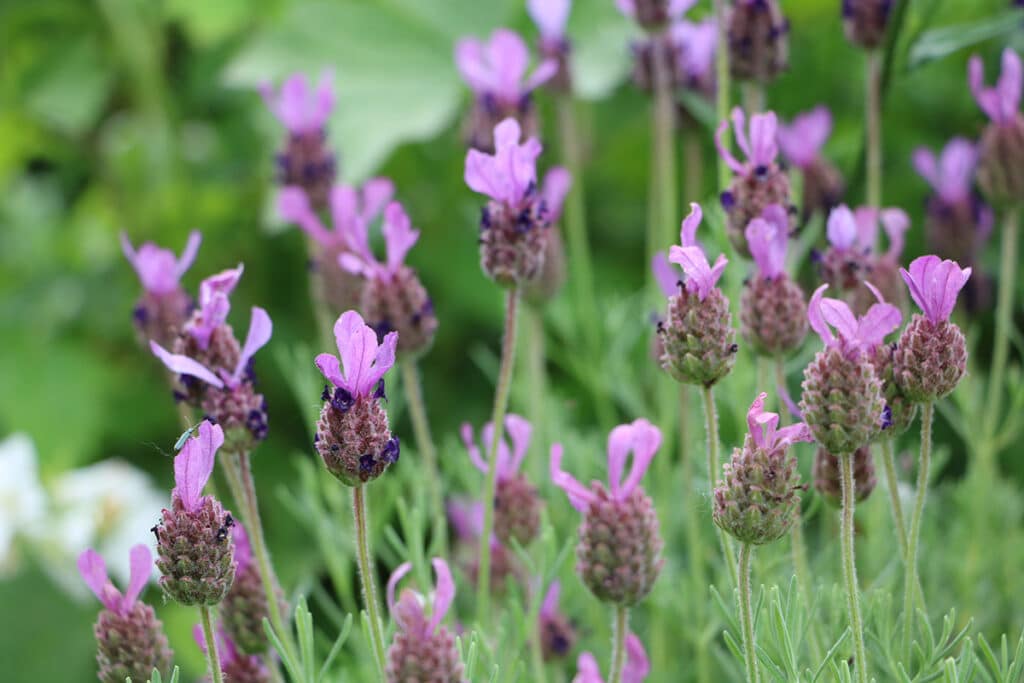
<point x="1004" y="321"/>
<point x="425" y="445"/>
<point x="238" y="471"/>
<point x="536" y="374"/>
<point x="574" y="218"/>
<point x="366" y="576"/>
<point x="722" y="93"/>
<point x="619" y="632"/>
<point x="747" y="613"/>
<point x="694" y="538"/>
<point x="873" y="124"/>
<point x="850" y="567"/>
<point x="889" y="461"/>
<point x="910" y="578"/>
<point x="508" y="344"/>
<point x="753" y="97"/>
<point x="212" y="659"/>
<point x="662" y="231"/>
<point x="711" y="430"/>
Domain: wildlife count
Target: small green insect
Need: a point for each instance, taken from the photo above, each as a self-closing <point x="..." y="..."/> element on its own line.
<point x="185" y="436"/>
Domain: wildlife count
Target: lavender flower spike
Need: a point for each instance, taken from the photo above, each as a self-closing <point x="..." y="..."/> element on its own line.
<point x="158" y="269"/>
<point x="498" y="67"/>
<point x="768" y="237"/>
<point x="351" y="209"/>
<point x="299" y="107"/>
<point x="760" y="148"/>
<point x="94" y="572"/>
<point x="1001" y="160"/>
<point x="934" y="285"/>
<point x="214" y="304"/>
<point x="422" y="649"/>
<point x="1002" y="102"/>
<point x="802" y="139"/>
<point x="952" y="173"/>
<point x="764" y="428"/>
<point x="507" y="460"/>
<point x="636" y="669"/>
<point x="854" y="336"/>
<point x="701" y="277"/>
<point x="509" y="176"/>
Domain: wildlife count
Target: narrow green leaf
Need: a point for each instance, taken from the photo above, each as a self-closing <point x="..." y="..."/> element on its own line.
<point x="942" y="42"/>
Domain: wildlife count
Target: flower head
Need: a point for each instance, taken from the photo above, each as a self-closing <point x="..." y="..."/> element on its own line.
<point x="635" y="670"/>
<point x="674" y="8"/>
<point x="697" y="43"/>
<point x="299" y="107"/>
<point x="554" y="190"/>
<point x="841" y="229"/>
<point x="194" y="465"/>
<point x="854" y="335"/>
<point x="507" y="460"/>
<point x="895" y="222"/>
<point x="764" y="429"/>
<point x="214" y="304"/>
<point x="802" y="139"/>
<point x="768" y="237"/>
<point x="551" y="17"/>
<point x="639" y="438"/>
<point x="934" y="285"/>
<point x="260" y="329"/>
<point x="352" y="210"/>
<point x="1002" y="102"/>
<point x="363" y="360"/>
<point x="408" y="610"/>
<point x="701" y="277"/>
<point x="952" y="173"/>
<point x="498" y="67"/>
<point x="508" y="176"/>
<point x="158" y="269"/>
<point x="94" y="573"/>
<point x="399" y="238"/>
<point x="760" y="147"/>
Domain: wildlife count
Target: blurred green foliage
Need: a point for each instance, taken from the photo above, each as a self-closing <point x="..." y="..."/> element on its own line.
<point x="141" y="116"/>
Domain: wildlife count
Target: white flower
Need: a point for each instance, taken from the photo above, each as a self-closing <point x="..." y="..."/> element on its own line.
<point x="22" y="499"/>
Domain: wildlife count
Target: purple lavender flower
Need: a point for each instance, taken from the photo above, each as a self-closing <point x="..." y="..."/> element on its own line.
<point x="423" y="649"/>
<point x="865" y="21"/>
<point x="802" y="139"/>
<point x="619" y="552"/>
<point x="130" y="639"/>
<point x="306" y="160"/>
<point x="768" y="237"/>
<point x="882" y="267"/>
<point x="695" y="44"/>
<point x="1001" y="160"/>
<point x="952" y="174"/>
<point x="635" y="670"/>
<point x="237" y="666"/>
<point x="654" y="14"/>
<point x="164" y="305"/>
<point x="848" y="260"/>
<point x="701" y="277"/>
<point x="467" y="520"/>
<point x="514" y="225"/>
<point x="214" y="305"/>
<point x="669" y="277"/>
<point x="931" y="356"/>
<point x="353" y="435"/>
<point x="758" y="181"/>
<point x="853" y="336"/>
<point x="557" y="635"/>
<point x="551" y="18"/>
<point x="758" y="40"/>
<point x="496" y="72"/>
<point x="194" y="541"/>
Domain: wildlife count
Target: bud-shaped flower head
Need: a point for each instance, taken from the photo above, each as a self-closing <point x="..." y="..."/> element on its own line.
<point x="353" y="436"/>
<point x="194" y="542"/>
<point x="758" y="181"/>
<point x="393" y="297"/>
<point x="931" y="356"/>
<point x="842" y="395"/>
<point x="130" y="639"/>
<point x="635" y="670"/>
<point x="756" y="500"/>
<point x="828" y="479"/>
<point x="514" y="225"/>
<point x="952" y="173"/>
<point x="697" y="335"/>
<point x="654" y="14"/>
<point x="496" y="71"/>
<point x="556" y="633"/>
<point x="1001" y="150"/>
<point x="306" y="161"/>
<point x="758" y="40"/>
<point x="864" y="21"/>
<point x="516" y="504"/>
<point x="245" y="606"/>
<point x="423" y="649"/>
<point x="467" y="520"/>
<point x="619" y="551"/>
<point x="237" y="666"/>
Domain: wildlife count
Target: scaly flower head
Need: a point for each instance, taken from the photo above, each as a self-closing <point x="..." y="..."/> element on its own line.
<point x="854" y="335"/>
<point x="1002" y="102"/>
<point x="760" y="147"/>
<point x="157" y="268"/>
<point x="934" y="285"/>
<point x="509" y="176"/>
<point x="802" y="139"/>
<point x="701" y="277"/>
<point x="299" y="107"/>
<point x="94" y="573"/>
<point x="498" y="67"/>
<point x="952" y="173"/>
<point x="363" y="360"/>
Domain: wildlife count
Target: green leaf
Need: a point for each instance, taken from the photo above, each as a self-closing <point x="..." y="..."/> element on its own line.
<point x="942" y="42"/>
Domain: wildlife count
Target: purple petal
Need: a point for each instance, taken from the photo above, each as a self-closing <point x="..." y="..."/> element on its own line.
<point x="293" y="205"/>
<point x="700" y="278"/>
<point x="801" y="141"/>
<point x="866" y="220"/>
<point x="140" y="567"/>
<point x="183" y="365"/>
<point x="739" y="131"/>
<point x="587" y="670"/>
<point x="838" y="314"/>
<point x="1009" y="85"/>
<point x="188" y="255"/>
<point x="956" y="170"/>
<point x="667" y="277"/>
<point x="383" y="360"/>
<point x="551" y="16"/>
<point x="328" y="365"/>
<point x="579" y="495"/>
<point x="376" y="194"/>
<point x="194" y="464"/>
<point x="260" y="329"/>
<point x="761" y="240"/>
<point x="396" y="576"/>
<point x="544" y="72"/>
<point x="842" y="228"/>
<point x="94" y="572"/>
<point x="519" y="431"/>
<point x="723" y="151"/>
<point x="474" y="451"/>
<point x="627" y="7"/>
<point x="466" y="518"/>
<point x="676" y="8"/>
<point x="243" y="548"/>
<point x="880" y="320"/>
<point x="444" y="593"/>
<point x="645" y="441"/>
<point x="508" y="57"/>
<point x="688" y="232"/>
<point x="637" y="665"/>
<point x="987" y="98"/>
<point x="399" y="237"/>
<point x="794" y="433"/>
<point x="469" y="59"/>
<point x="895" y="222"/>
<point x="555" y="188"/>
<point x="763" y="135"/>
<point x="357" y="345"/>
<point x="924" y="162"/>
<point x="482" y="175"/>
<point x="815" y="319"/>
<point x="754" y="420"/>
<point x="549" y="606"/>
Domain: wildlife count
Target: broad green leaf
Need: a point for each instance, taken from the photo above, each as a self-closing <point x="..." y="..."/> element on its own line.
<point x="942" y="42"/>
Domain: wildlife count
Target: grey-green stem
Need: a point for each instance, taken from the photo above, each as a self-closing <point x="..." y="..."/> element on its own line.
<point x="366" y="576"/>
<point x="850" y="568"/>
<point x="212" y="658"/>
<point x="747" y="613"/>
<point x="711" y="430"/>
<point x="910" y="578"/>
<point x="619" y="631"/>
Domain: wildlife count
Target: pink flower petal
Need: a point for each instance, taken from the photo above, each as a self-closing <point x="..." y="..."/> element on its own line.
<point x="580" y="497"/>
<point x="396" y="576"/>
<point x="260" y="329"/>
<point x="194" y="464"/>
<point x="688" y="231"/>
<point x="474" y="451"/>
<point x="551" y="16"/>
<point x="329" y="366"/>
<point x="140" y="567"/>
<point x="645" y="441"/>
<point x="519" y="431"/>
<point x="183" y="365"/>
<point x="444" y="592"/>
<point x="555" y="189"/>
<point x="399" y="236"/>
<point x="637" y="665"/>
<point x="841" y="229"/>
<point x="94" y="572"/>
<point x="667" y="277"/>
<point x="723" y="151"/>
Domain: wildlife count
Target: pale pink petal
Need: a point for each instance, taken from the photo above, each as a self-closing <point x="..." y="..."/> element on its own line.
<point x="328" y="365"/>
<point x="482" y="175"/>
<point x="444" y="592"/>
<point x="676" y="8"/>
<point x="723" y="151"/>
<point x="243" y="548"/>
<point x="94" y="572"/>
<point x="866" y="220"/>
<point x="667" y="277"/>
<point x="382" y="361"/>
<point x="801" y="141"/>
<point x="580" y="497"/>
<point x="554" y="189"/>
<point x="194" y="464"/>
<point x="357" y="265"/>
<point x="549" y="606"/>
<point x="357" y="345"/>
<point x="620" y="443"/>
<point x="376" y="194"/>
<point x="466" y="432"/>
<point x="956" y="170"/>
<point x="140" y="567"/>
<point x="1009" y="85"/>
<point x="551" y="16"/>
<point x="508" y="57"/>
<point x="293" y="205"/>
<point x="895" y="222"/>
<point x="260" y="329"/>
<point x="880" y="320"/>
<point x="763" y="135"/>
<point x="544" y="72"/>
<point x="127" y="248"/>
<point x="469" y="59"/>
<point x="761" y="240"/>
<point x="396" y="576"/>
<point x="815" y="319"/>
<point x="838" y="314"/>
<point x="794" y="433"/>
<point x="519" y="431"/>
<point x="188" y="255"/>
<point x="986" y="98"/>
<point x="926" y="166"/>
<point x="739" y="131"/>
<point x="399" y="236"/>
<point x="183" y="365"/>
<point x="324" y="103"/>
<point x="754" y="419"/>
<point x="467" y="518"/>
<point x="627" y="7"/>
<point x="587" y="670"/>
<point x="688" y="231"/>
<point x="841" y="229"/>
<point x="646" y="439"/>
<point x="637" y="665"/>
